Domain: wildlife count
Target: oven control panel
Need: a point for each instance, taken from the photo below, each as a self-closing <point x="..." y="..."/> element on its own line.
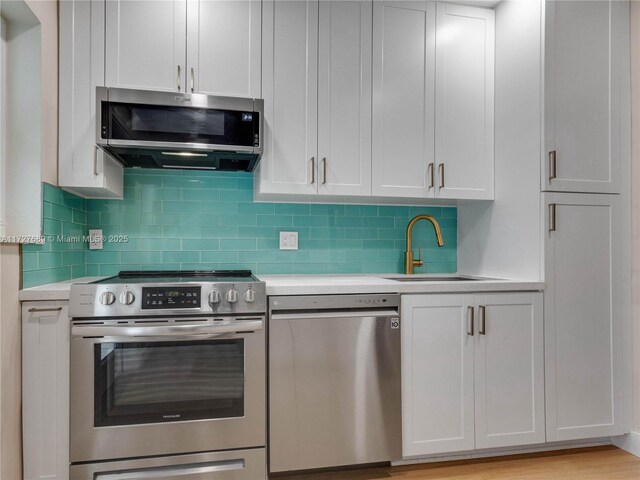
<point x="170" y="297"/>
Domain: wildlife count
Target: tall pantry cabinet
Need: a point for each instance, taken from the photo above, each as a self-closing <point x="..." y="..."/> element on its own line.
<point x="586" y="203"/>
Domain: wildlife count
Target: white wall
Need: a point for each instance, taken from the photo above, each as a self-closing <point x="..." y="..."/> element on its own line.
<point x="10" y="261"/>
<point x="635" y="200"/>
<point x="503" y="238"/>
<point x="10" y="365"/>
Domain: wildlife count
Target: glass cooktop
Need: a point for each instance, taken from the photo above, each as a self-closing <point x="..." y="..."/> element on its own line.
<point x="180" y="276"/>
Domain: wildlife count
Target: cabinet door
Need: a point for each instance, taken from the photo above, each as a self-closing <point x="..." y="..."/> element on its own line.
<point x="464" y="102"/>
<point x="344" y="98"/>
<point x="223" y="47"/>
<point x="146" y="44"/>
<point x="45" y="390"/>
<point x="82" y="167"/>
<point x="437" y="374"/>
<point x="403" y="98"/>
<point x="585" y="95"/>
<point x="290" y="90"/>
<point x="583" y="319"/>
<point x="509" y="370"/>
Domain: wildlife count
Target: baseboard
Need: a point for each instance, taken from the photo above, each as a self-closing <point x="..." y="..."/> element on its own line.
<point x="629" y="442"/>
<point x="501" y="452"/>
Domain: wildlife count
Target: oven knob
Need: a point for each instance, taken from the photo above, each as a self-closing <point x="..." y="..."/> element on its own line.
<point x="250" y="296"/>
<point x="127" y="298"/>
<point x="232" y="296"/>
<point x="107" y="298"/>
<point x="214" y="297"/>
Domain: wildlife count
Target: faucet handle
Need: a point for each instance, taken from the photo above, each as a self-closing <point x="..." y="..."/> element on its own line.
<point x="418" y="262"/>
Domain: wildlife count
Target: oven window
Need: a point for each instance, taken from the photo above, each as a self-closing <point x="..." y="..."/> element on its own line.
<point x="155" y="382"/>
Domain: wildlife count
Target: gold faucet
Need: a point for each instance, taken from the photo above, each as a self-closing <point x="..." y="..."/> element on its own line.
<point x="409" y="262"/>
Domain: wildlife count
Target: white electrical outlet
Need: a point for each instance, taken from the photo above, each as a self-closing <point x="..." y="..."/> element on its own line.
<point x="95" y="239"/>
<point x="288" y="240"/>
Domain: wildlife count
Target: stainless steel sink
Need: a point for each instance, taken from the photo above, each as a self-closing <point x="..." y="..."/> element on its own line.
<point x="432" y="279"/>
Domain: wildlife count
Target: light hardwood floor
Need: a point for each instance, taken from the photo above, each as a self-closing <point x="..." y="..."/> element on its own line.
<point x="598" y="463"/>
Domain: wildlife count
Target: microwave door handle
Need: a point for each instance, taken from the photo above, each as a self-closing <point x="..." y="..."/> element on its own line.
<point x="198" y="330"/>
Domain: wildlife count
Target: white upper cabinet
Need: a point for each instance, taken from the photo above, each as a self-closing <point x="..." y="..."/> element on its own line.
<point x="472" y="372"/>
<point x="586" y="100"/>
<point x="83" y="168"/>
<point x="344" y="98"/>
<point x="290" y="91"/>
<point x="433" y="113"/>
<point x="584" y="317"/>
<point x="464" y="124"/>
<point x="404" y="34"/>
<point x="223" y="47"/>
<point x="317" y="93"/>
<point x="146" y="44"/>
<point x="199" y="46"/>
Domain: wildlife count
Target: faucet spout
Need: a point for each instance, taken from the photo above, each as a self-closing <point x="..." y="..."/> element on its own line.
<point x="409" y="262"/>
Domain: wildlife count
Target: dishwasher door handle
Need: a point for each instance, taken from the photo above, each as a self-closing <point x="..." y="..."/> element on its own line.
<point x="334" y="314"/>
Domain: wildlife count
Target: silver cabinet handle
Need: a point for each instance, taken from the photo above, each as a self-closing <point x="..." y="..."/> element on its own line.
<point x="552" y="165"/>
<point x="482" y="311"/>
<point x="441" y="170"/>
<point x="192" y="79"/>
<point x="324" y="170"/>
<point x="552" y="217"/>
<point x="470" y="315"/>
<point x="95" y="161"/>
<point x="432" y="173"/>
<point x="48" y="309"/>
<point x="313" y="170"/>
<point x="178" y="79"/>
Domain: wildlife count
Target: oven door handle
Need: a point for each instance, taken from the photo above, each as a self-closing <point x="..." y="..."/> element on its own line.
<point x="196" y="330"/>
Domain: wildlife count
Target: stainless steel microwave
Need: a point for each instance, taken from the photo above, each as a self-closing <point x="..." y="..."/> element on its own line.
<point x="148" y="129"/>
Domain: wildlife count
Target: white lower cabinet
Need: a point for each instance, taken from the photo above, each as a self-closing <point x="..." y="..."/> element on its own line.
<point x="45" y="390"/>
<point x="472" y="372"/>
<point x="585" y="317"/>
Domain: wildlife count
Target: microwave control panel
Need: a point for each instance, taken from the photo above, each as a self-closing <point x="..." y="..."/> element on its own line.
<point x="170" y="297"/>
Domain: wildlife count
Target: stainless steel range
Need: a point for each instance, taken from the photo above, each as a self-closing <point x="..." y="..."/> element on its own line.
<point x="168" y="376"/>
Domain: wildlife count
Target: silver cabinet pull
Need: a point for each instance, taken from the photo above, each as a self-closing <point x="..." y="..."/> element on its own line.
<point x="324" y="170"/>
<point x="441" y="170"/>
<point x="313" y="170"/>
<point x="432" y="174"/>
<point x="192" y="79"/>
<point x="552" y="217"/>
<point x="552" y="165"/>
<point x="48" y="309"/>
<point x="470" y="315"/>
<point x="178" y="79"/>
<point x="482" y="311"/>
<point x="95" y="161"/>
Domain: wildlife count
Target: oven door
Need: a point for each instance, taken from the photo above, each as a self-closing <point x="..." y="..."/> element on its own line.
<point x="166" y="387"/>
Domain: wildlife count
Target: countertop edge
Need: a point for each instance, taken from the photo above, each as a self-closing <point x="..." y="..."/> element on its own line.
<point x="322" y="285"/>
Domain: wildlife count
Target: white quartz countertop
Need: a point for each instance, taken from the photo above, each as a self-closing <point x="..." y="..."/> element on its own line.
<point x="52" y="291"/>
<point x="384" y="283"/>
<point x="331" y="284"/>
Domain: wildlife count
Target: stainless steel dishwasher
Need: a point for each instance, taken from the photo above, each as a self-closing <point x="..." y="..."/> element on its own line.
<point x="334" y="381"/>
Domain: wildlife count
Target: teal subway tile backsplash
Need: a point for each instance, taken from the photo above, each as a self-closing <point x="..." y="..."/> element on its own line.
<point x="188" y="220"/>
<point x="209" y="220"/>
<point x="63" y="254"/>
